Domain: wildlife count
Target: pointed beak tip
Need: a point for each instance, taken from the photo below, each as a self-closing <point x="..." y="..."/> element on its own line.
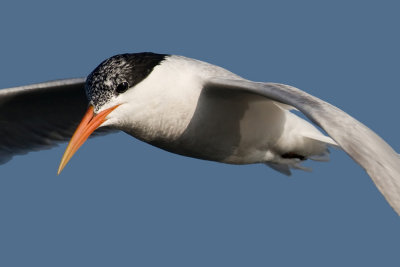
<point x="59" y="170"/>
<point x="88" y="125"/>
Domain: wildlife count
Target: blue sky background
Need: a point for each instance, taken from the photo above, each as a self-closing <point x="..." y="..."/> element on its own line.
<point x="121" y="202"/>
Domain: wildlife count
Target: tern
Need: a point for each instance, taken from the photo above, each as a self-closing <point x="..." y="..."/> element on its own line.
<point x="195" y="109"/>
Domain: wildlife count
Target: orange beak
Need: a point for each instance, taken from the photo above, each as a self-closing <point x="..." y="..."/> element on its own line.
<point x="88" y="125"/>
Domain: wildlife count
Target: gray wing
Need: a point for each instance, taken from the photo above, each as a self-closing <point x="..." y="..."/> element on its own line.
<point x="38" y="116"/>
<point x="370" y="151"/>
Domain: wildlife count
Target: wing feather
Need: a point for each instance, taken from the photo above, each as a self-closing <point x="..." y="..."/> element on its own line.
<point x="369" y="150"/>
<point x="38" y="116"/>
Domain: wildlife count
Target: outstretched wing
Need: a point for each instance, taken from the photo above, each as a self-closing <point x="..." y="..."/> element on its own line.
<point x="370" y="151"/>
<point x="38" y="116"/>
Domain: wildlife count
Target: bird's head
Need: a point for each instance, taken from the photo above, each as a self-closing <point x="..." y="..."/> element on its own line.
<point x="107" y="88"/>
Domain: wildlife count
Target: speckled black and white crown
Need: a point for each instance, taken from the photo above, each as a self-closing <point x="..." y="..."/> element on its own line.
<point x="102" y="83"/>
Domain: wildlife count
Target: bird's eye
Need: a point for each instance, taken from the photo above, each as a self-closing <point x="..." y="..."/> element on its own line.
<point x="122" y="87"/>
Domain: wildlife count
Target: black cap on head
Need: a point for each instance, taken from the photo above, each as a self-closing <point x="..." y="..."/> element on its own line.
<point x="114" y="75"/>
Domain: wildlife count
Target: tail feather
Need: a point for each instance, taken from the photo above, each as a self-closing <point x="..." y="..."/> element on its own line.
<point x="322" y="138"/>
<point x="282" y="168"/>
<point x="324" y="157"/>
<point x="285" y="164"/>
<point x="300" y="140"/>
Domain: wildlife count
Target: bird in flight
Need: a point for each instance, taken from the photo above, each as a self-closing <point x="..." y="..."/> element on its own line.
<point x="195" y="109"/>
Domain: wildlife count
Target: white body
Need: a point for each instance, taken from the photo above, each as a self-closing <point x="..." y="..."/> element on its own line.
<point x="173" y="110"/>
<point x="195" y="109"/>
